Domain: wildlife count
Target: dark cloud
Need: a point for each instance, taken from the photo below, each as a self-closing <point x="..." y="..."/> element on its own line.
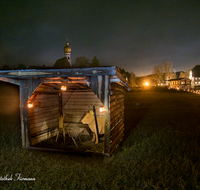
<point x="135" y="35"/>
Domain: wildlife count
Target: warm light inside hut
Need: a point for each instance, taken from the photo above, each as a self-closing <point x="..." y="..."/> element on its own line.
<point x="30" y="105"/>
<point x="63" y="88"/>
<point x="102" y="109"/>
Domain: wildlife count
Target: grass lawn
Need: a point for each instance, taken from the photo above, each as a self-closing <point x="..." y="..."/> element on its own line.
<point x="160" y="150"/>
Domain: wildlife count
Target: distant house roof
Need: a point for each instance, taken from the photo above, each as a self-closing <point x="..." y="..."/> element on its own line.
<point x="62" y="63"/>
<point x="178" y="74"/>
<point x="196" y="71"/>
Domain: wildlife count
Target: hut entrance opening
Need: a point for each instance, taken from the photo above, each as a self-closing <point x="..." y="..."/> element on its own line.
<point x="65" y="119"/>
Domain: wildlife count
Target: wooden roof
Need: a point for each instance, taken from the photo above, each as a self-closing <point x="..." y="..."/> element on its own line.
<point x="69" y="74"/>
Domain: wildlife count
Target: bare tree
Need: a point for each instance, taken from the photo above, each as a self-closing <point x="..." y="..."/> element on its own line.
<point x="132" y="79"/>
<point x="167" y="67"/>
<point x="163" y="72"/>
<point x="158" y="75"/>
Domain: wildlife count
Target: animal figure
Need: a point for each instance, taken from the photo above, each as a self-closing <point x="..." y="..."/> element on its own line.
<point x="90" y="120"/>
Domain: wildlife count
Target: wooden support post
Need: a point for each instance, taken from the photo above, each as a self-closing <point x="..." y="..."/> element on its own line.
<point x="107" y="115"/>
<point x="32" y="85"/>
<point x="100" y="81"/>
<point x="96" y="124"/>
<point x="25" y="130"/>
<point x="67" y="99"/>
<point x="60" y="104"/>
<point x="94" y="84"/>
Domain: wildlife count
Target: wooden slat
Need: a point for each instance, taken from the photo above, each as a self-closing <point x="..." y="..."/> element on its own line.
<point x="38" y="131"/>
<point x="116" y="119"/>
<point x="40" y="118"/>
<point x="114" y="133"/>
<point x="37" y="111"/>
<point x="116" y="142"/>
<point x="42" y="122"/>
<point x="42" y="137"/>
<point x="9" y="80"/>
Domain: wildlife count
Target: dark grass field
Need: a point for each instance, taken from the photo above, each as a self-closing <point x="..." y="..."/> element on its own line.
<point x="160" y="149"/>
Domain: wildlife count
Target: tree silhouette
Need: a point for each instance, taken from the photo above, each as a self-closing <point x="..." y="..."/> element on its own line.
<point x="95" y="62"/>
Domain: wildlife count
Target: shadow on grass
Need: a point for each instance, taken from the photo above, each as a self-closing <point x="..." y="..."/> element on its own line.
<point x="134" y="111"/>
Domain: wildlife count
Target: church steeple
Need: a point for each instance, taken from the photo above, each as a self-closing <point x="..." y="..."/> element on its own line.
<point x="67" y="51"/>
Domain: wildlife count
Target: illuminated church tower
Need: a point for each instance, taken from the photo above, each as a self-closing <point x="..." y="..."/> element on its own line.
<point x="67" y="51"/>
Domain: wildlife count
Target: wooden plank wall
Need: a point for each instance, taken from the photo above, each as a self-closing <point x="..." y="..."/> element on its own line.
<point x="116" y="115"/>
<point x="43" y="117"/>
<point x="79" y="103"/>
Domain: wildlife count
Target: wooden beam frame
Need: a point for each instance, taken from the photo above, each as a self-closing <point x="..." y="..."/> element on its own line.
<point x="25" y="130"/>
<point x="9" y="80"/>
<point x="107" y="115"/>
<point x="50" y="73"/>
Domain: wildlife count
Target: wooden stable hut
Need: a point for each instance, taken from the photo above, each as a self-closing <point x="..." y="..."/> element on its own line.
<point x="86" y="88"/>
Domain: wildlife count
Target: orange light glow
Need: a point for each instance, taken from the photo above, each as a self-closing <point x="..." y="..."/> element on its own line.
<point x="30" y="105"/>
<point x="102" y="109"/>
<point x="63" y="88"/>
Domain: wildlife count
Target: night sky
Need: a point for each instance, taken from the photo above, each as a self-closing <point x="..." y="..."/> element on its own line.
<point x="134" y="35"/>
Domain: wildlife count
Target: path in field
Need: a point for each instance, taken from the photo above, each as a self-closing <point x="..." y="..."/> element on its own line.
<point x="180" y="109"/>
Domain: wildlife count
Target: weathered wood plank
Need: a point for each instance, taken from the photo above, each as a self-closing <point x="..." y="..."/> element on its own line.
<point x="38" y="111"/>
<point x="107" y="115"/>
<point x="93" y="84"/>
<point x="49" y="73"/>
<point x="33" y="84"/>
<point x="25" y="130"/>
<point x="39" y="124"/>
<point x="84" y="107"/>
<point x="42" y="137"/>
<point x="114" y="133"/>
<point x="116" y="119"/>
<point x="9" y="80"/>
<point x="100" y="83"/>
<point x="66" y="99"/>
<point x="40" y="118"/>
<point x="115" y="143"/>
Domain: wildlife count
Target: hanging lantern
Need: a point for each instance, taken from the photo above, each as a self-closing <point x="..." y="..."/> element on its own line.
<point x="63" y="88"/>
<point x="102" y="109"/>
<point x="30" y="105"/>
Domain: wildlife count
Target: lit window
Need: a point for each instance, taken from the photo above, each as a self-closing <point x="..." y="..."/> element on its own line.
<point x="195" y="78"/>
<point x="199" y="82"/>
<point x="195" y="82"/>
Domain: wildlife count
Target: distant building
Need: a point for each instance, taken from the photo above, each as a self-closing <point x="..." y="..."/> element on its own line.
<point x="179" y="84"/>
<point x="64" y="62"/>
<point x="195" y="77"/>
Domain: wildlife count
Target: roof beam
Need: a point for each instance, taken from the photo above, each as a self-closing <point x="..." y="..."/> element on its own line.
<point x="47" y="73"/>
